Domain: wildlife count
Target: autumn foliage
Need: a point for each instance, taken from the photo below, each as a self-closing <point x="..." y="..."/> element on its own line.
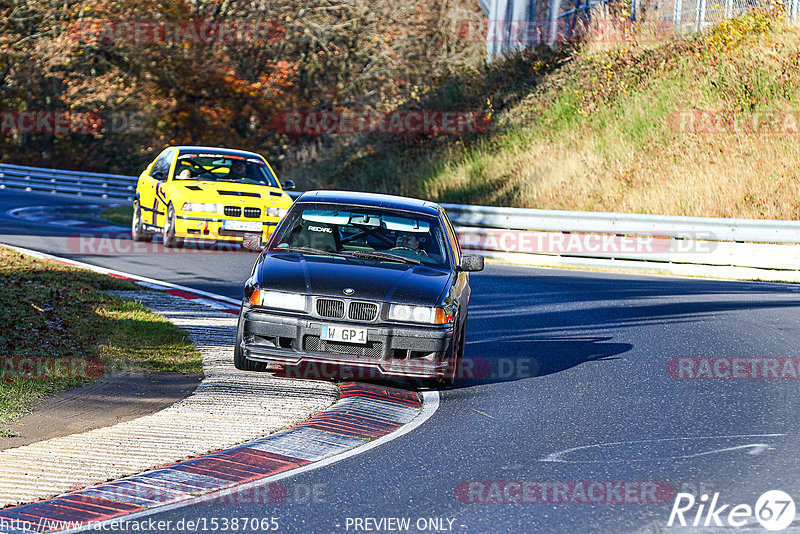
<point x="207" y="72"/>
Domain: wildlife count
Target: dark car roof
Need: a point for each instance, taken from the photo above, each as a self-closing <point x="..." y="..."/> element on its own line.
<point x="216" y="150"/>
<point x="371" y="200"/>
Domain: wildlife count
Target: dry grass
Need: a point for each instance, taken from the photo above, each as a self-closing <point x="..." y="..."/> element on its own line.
<point x="602" y="132"/>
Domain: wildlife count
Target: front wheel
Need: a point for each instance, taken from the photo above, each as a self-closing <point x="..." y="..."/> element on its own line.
<point x="454" y="361"/>
<point x="137" y="227"/>
<point x="239" y="359"/>
<point x="168" y="234"/>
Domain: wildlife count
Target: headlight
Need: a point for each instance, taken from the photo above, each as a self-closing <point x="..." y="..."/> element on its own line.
<point x="276" y="212"/>
<point x="419" y="314"/>
<point x="279" y="300"/>
<point x="208" y="207"/>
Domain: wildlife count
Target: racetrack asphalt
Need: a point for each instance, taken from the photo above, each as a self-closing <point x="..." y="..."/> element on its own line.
<point x="570" y="384"/>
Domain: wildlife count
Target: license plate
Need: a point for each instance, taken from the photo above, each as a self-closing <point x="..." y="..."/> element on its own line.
<point x="345" y="334"/>
<point x="246" y="226"/>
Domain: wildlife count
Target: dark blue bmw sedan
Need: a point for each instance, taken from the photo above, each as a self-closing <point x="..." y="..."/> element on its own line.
<point x="373" y="285"/>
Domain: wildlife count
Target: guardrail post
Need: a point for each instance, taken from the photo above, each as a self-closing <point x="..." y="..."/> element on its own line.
<point x="701" y="15"/>
<point x="677" y="15"/>
<point x="555" y="5"/>
<point x="794" y="10"/>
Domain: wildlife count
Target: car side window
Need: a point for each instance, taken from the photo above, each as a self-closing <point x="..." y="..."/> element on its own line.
<point x="158" y="165"/>
<point x="169" y="157"/>
<point x="163" y="163"/>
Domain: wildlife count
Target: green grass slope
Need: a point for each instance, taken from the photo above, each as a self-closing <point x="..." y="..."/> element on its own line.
<point x="706" y="126"/>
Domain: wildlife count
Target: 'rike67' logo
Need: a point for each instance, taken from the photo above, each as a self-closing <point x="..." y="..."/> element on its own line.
<point x="774" y="510"/>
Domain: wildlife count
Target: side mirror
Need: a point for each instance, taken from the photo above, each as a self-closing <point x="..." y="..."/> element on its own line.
<point x="288" y="184"/>
<point x="159" y="175"/>
<point x="471" y="263"/>
<point x="252" y="242"/>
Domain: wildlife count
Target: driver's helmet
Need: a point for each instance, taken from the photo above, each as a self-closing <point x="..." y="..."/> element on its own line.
<point x="238" y="168"/>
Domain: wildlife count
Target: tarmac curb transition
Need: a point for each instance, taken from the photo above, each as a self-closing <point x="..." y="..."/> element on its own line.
<point x="364" y="413"/>
<point x="365" y="416"/>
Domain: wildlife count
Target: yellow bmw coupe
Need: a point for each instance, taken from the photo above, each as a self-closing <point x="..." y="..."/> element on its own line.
<point x="208" y="194"/>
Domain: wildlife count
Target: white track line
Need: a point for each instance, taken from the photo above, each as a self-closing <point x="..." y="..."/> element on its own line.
<point x="103" y="270"/>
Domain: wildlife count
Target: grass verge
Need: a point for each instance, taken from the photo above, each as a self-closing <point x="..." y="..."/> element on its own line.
<point x="59" y="329"/>
<point x="121" y="215"/>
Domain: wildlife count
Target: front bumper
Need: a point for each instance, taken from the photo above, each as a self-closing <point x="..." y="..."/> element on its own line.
<point x="197" y="226"/>
<point x="391" y="350"/>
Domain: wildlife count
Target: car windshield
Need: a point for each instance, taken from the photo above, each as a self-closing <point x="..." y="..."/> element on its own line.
<point x="224" y="168"/>
<point x="369" y="234"/>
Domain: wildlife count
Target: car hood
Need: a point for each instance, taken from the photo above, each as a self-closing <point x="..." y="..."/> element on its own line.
<point x="231" y="193"/>
<point x="389" y="282"/>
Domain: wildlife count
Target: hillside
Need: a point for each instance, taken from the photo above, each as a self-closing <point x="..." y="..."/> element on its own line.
<point x="706" y="126"/>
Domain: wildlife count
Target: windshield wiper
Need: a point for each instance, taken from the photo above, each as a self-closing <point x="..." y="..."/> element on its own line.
<point x="383" y="256"/>
<point x="309" y="250"/>
<point x="361" y="254"/>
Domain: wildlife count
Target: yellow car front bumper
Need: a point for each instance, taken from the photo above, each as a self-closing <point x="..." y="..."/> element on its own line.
<point x="196" y="226"/>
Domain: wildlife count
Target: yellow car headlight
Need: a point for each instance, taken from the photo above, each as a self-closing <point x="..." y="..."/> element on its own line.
<point x="207" y="207"/>
<point x="276" y="212"/>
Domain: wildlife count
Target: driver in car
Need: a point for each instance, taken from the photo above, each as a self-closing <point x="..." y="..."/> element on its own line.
<point x="238" y="169"/>
<point x="409" y="242"/>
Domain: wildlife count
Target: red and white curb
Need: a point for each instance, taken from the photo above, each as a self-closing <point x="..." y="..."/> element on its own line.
<point x="365" y="417"/>
<point x="365" y="412"/>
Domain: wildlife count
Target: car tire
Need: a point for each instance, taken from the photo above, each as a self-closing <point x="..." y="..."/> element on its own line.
<point x="239" y="359"/>
<point x="457" y="353"/>
<point x="137" y="227"/>
<point x="168" y="234"/>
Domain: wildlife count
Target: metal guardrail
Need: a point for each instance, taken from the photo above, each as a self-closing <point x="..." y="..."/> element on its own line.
<point x="114" y="186"/>
<point x="679" y="227"/>
<point x="526" y="232"/>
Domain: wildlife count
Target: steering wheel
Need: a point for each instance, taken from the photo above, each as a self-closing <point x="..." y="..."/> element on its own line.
<point x="417" y="251"/>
